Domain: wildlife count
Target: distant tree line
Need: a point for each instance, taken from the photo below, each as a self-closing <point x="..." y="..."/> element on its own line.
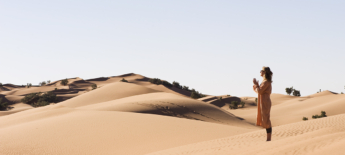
<point x="194" y="94"/>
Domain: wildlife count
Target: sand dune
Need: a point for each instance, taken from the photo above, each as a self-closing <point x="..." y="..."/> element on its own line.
<point x="59" y="130"/>
<point x="309" y="137"/>
<point x="163" y="103"/>
<point x="109" y="92"/>
<point x="138" y="117"/>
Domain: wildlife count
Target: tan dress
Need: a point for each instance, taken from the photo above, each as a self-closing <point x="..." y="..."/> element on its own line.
<point x="264" y="104"/>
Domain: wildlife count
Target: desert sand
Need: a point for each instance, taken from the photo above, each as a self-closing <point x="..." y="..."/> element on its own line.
<point x="138" y="117"/>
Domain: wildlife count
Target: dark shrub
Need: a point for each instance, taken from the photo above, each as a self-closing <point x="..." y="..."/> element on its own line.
<point x="177" y="85"/>
<point x="323" y="114"/>
<point x="94" y="86"/>
<point x="40" y="99"/>
<point x="64" y="82"/>
<point x="3" y="105"/>
<point x="56" y="89"/>
<point x="289" y="90"/>
<point x="256" y="100"/>
<point x="156" y="81"/>
<point x="42" y="83"/>
<point x="30" y="98"/>
<point x="0" y="85"/>
<point x="40" y="104"/>
<point x="48" y="96"/>
<point x="167" y="84"/>
<point x="48" y="81"/>
<point x="305" y="118"/>
<point x="296" y="93"/>
<point x="234" y="105"/>
<point x="196" y="94"/>
<point x="220" y="98"/>
<point x="124" y="80"/>
<point x="186" y="88"/>
<point x="242" y="104"/>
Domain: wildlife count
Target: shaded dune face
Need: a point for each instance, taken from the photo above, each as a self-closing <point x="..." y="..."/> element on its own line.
<point x="168" y="104"/>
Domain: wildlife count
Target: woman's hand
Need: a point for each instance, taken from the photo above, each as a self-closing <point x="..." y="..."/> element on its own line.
<point x="255" y="82"/>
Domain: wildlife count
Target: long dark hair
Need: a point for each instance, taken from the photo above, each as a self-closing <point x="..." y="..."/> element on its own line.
<point x="268" y="73"/>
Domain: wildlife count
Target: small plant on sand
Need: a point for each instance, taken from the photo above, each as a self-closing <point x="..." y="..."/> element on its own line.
<point x="40" y="99"/>
<point x="256" y="101"/>
<point x="305" y="118"/>
<point x="228" y="95"/>
<point x="64" y="82"/>
<point x="234" y="105"/>
<point x="242" y="104"/>
<point x="55" y="89"/>
<point x="1" y="85"/>
<point x="289" y="90"/>
<point x="3" y="105"/>
<point x="220" y="98"/>
<point x="124" y="80"/>
<point x="48" y="81"/>
<point x="94" y="86"/>
<point x="341" y="93"/>
<point x="323" y="114"/>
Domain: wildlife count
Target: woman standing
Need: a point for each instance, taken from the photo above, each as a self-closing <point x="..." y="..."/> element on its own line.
<point x="264" y="101"/>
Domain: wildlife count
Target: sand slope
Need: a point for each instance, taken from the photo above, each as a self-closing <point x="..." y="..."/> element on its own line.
<point x="59" y="130"/>
<point x="326" y="135"/>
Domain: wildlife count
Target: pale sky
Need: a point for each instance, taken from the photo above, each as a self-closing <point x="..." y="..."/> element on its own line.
<point x="216" y="47"/>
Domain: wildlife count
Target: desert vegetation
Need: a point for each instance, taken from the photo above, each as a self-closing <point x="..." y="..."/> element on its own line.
<point x="158" y="81"/>
<point x="64" y="82"/>
<point x="323" y="114"/>
<point x="39" y="99"/>
<point x="3" y="105"/>
<point x="195" y="94"/>
<point x="43" y="83"/>
<point x="28" y="85"/>
<point x="124" y="80"/>
<point x="293" y="91"/>
<point x="94" y="86"/>
<point x="1" y="85"/>
<point x="305" y="118"/>
<point x="235" y="104"/>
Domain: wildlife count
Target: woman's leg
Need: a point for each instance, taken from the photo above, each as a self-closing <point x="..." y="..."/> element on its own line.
<point x="269" y="133"/>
